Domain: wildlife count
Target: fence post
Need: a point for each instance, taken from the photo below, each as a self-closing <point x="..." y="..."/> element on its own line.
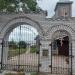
<point x="71" y="59"/>
<point x="1" y="53"/>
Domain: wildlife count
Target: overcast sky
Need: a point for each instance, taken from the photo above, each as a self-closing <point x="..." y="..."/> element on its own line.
<point x="27" y="33"/>
<point x="49" y="5"/>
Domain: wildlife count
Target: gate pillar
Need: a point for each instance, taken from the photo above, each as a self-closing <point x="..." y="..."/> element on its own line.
<point x="1" y="52"/>
<point x="45" y="56"/>
<point x="73" y="57"/>
<point x="4" y="53"/>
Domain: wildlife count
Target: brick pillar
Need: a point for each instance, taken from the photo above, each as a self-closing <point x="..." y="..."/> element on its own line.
<point x="45" y="61"/>
<point x="0" y="52"/>
<point x="5" y="52"/>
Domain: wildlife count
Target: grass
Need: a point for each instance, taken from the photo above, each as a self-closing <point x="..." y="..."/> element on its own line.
<point x="19" y="73"/>
<point x="15" y="52"/>
<point x="34" y="73"/>
<point x="33" y="49"/>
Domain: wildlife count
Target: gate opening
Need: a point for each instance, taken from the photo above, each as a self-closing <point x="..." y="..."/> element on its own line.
<point x="61" y="50"/>
<point x="63" y="46"/>
<point x="21" y="50"/>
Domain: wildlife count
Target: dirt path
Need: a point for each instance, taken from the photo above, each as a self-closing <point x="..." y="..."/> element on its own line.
<point x="24" y="59"/>
<point x="58" y="62"/>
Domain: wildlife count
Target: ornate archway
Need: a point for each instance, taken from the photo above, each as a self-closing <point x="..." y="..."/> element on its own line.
<point x="13" y="23"/>
<point x="62" y="40"/>
<point x="58" y="34"/>
<point x="19" y="22"/>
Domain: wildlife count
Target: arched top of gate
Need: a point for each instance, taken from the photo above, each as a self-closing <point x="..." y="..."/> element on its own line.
<point x="66" y="28"/>
<point x="21" y="20"/>
<point x="59" y="34"/>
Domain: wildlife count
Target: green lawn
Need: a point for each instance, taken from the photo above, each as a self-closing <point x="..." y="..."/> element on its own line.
<point x="14" y="52"/>
<point x="15" y="73"/>
<point x="33" y="49"/>
<point x="34" y="73"/>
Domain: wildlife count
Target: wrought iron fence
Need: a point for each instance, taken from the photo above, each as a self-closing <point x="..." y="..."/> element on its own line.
<point x="21" y="51"/>
<point x="61" y="55"/>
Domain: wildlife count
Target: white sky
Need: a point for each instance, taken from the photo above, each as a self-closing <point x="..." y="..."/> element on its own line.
<point x="49" y="5"/>
<point x="27" y="33"/>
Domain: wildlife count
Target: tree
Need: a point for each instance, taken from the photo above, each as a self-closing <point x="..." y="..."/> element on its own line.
<point x="33" y="49"/>
<point x="22" y="44"/>
<point x="31" y="4"/>
<point x="13" y="5"/>
<point x="12" y="44"/>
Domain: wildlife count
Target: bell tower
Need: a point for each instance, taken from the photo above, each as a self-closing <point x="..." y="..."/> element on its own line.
<point x="63" y="8"/>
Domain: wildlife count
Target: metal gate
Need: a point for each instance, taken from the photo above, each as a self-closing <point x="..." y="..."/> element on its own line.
<point x="21" y="51"/>
<point x="61" y="55"/>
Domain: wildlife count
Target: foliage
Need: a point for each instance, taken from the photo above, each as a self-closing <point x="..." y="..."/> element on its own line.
<point x="16" y="48"/>
<point x="33" y="49"/>
<point x="19" y="73"/>
<point x="34" y="73"/>
<point x="12" y="5"/>
<point x="22" y="44"/>
<point x="31" y="4"/>
<point x="11" y="9"/>
<point x="15" y="52"/>
<point x="12" y="45"/>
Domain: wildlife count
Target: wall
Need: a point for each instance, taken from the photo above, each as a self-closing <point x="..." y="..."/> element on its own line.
<point x="45" y="27"/>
